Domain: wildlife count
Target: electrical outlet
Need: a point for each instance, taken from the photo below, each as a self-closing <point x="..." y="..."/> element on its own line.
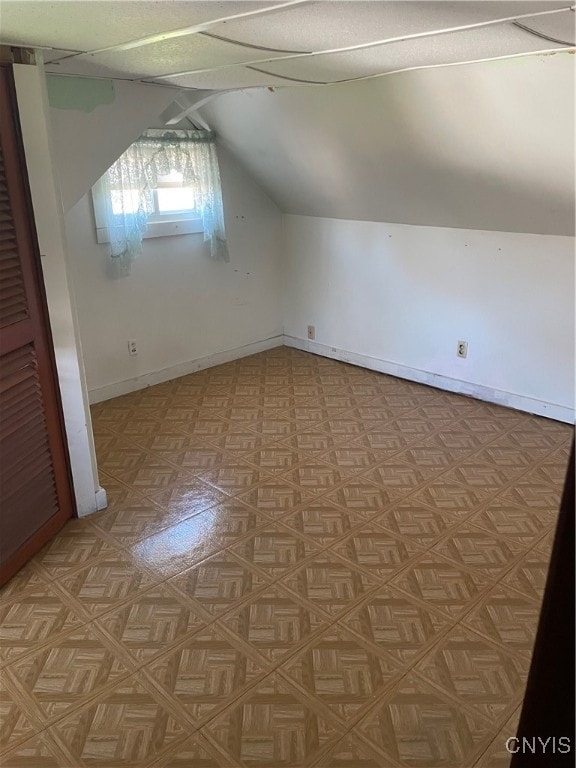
<point x="311" y="332"/>
<point x="132" y="348"/>
<point x="462" y="349"/>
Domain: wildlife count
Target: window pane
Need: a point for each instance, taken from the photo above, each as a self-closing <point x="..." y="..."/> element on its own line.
<point x="175" y="199"/>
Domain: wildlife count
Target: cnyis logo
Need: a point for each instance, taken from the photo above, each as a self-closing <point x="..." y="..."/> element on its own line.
<point x="539" y="745"/>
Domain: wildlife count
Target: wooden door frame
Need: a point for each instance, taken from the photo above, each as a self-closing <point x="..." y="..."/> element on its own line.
<point x="23" y="215"/>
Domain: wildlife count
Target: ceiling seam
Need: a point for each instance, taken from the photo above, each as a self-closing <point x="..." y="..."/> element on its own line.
<point x="541" y="34"/>
<point x="249" y="45"/>
<point x="292" y="79"/>
<point x="149" y="81"/>
<point x="194" y="29"/>
<point x="547" y="52"/>
<point x="543" y="52"/>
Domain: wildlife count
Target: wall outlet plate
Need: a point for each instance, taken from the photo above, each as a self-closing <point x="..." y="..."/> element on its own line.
<point x="132" y="347"/>
<point x="462" y="349"/>
<point x="311" y="331"/>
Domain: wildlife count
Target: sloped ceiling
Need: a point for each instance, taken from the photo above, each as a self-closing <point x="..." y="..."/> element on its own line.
<point x="223" y="45"/>
<point x="481" y="146"/>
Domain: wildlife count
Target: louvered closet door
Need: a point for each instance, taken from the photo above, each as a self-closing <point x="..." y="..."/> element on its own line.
<point x="35" y="488"/>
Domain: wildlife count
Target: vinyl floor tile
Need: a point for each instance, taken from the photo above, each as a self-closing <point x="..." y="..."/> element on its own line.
<point x="507" y="617"/>
<point x="276" y="497"/>
<point x="529" y="575"/>
<point x="304" y="564"/>
<point x="416" y="725"/>
<point x="34" y="618"/>
<point x="477" y="672"/>
<point x="313" y="442"/>
<point x="273" y="725"/>
<point x="451" y="497"/>
<point x="196" y="752"/>
<point x="31" y="577"/>
<point x="219" y="583"/>
<point x="497" y="755"/>
<point x="421" y="525"/>
<point x="62" y="675"/>
<point x="321" y="522"/>
<point x="517" y="523"/>
<point x="330" y="583"/>
<point x="129" y="725"/>
<point x="343" y="672"/>
<point x="479" y="550"/>
<point x="188" y="498"/>
<point x="275" y="623"/>
<point x="352" y="752"/>
<point x="396" y="624"/>
<point x="376" y="550"/>
<point x="16" y="725"/>
<point x="151" y="622"/>
<point x="40" y="751"/>
<point x="363" y="498"/>
<point x="174" y="549"/>
<point x="72" y="547"/>
<point x="445" y="585"/>
<point x="275" y="549"/>
<point x="206" y="672"/>
<point x="133" y="519"/>
<point x="98" y="587"/>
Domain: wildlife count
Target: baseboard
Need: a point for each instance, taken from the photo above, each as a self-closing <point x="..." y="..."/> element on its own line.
<point x="107" y="392"/>
<point x="480" y="392"/>
<point x="86" y="508"/>
<point x="101" y="499"/>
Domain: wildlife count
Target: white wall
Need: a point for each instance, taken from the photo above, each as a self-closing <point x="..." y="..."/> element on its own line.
<point x="180" y="306"/>
<point x="479" y="146"/>
<point x="34" y="119"/>
<point x="400" y="297"/>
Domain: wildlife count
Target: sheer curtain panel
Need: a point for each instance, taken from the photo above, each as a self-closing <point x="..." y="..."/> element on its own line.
<point x="125" y="193"/>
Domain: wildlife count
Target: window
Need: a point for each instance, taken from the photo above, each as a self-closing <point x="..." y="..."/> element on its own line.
<point x="166" y="183"/>
<point x="175" y="208"/>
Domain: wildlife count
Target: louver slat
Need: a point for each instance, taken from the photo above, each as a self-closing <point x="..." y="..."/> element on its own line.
<point x="13" y="304"/>
<point x="26" y="458"/>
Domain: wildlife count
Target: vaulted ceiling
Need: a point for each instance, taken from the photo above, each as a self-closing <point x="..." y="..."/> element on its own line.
<point x="229" y="45"/>
<point x="486" y="146"/>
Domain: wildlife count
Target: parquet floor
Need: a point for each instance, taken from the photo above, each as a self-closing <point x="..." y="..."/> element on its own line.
<point x="303" y="563"/>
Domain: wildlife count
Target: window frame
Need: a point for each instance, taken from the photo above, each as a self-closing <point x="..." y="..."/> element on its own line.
<point x="159" y="224"/>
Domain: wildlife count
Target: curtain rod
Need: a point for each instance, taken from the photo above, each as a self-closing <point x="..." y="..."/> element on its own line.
<point x="205" y="137"/>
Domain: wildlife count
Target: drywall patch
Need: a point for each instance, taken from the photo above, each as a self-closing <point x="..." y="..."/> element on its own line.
<point x="80" y="93"/>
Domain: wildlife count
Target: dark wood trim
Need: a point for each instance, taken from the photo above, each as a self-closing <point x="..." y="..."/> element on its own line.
<point x="28" y="236"/>
<point x="548" y="708"/>
<point x="39" y="324"/>
<point x="30" y="547"/>
<point x="6" y="55"/>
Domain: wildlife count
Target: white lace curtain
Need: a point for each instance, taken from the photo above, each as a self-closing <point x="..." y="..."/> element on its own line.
<point x="126" y="190"/>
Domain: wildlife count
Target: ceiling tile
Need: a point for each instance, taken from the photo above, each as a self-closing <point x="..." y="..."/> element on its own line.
<point x="90" y="24"/>
<point x="180" y="54"/>
<point x="235" y="77"/>
<point x="53" y="54"/>
<point x="481" y="43"/>
<point x="320" y="26"/>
